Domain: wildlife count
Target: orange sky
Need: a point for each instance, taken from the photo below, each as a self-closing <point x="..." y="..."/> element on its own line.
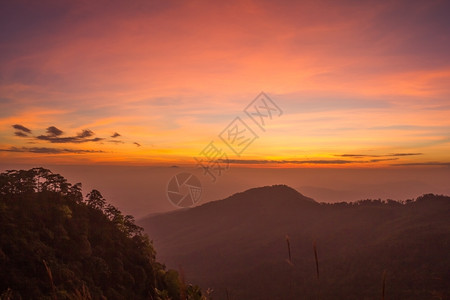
<point x="360" y="83"/>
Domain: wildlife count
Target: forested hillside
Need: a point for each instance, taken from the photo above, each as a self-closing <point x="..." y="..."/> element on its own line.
<point x="55" y="244"/>
<point x="238" y="246"/>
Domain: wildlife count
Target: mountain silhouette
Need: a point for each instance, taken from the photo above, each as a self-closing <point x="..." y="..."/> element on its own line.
<point x="258" y="244"/>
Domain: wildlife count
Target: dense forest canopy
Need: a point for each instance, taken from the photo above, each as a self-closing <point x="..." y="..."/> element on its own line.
<point x="57" y="244"/>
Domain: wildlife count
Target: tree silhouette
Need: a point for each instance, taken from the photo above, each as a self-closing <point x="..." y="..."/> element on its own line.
<point x="95" y="200"/>
<point x="55" y="245"/>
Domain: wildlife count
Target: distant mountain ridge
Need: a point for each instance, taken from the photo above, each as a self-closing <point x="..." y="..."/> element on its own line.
<point x="238" y="246"/>
<point x="280" y="190"/>
<point x="261" y="197"/>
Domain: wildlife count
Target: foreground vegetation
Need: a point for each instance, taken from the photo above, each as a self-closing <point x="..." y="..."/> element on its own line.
<point x="55" y="244"/>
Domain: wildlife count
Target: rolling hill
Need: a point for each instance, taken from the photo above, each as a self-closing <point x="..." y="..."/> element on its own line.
<point x="238" y="246"/>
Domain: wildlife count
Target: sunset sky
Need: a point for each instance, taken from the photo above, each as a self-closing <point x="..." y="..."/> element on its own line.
<point x="359" y="83"/>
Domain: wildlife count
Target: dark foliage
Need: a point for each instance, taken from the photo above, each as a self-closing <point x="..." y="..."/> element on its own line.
<point x="56" y="245"/>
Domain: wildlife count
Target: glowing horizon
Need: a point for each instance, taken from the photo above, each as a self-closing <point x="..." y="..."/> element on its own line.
<point x="360" y="84"/>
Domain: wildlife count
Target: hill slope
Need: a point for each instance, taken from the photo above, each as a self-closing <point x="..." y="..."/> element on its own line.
<point x="238" y="246"/>
<point x="56" y="245"/>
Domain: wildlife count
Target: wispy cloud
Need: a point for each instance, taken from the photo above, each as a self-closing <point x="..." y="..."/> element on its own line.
<point x="116" y="141"/>
<point x="303" y="162"/>
<point x="20" y="134"/>
<point x="54" y="136"/>
<point x="378" y="155"/>
<point x="46" y="150"/>
<point x="21" y="128"/>
<point x="53" y="131"/>
<point x="21" y="131"/>
<point x="430" y="163"/>
<point x="404" y="154"/>
<point x="406" y="127"/>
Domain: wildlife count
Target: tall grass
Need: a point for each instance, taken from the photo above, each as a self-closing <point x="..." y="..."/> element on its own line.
<point x="7" y="295"/>
<point x="182" y="284"/>
<point x="383" y="285"/>
<point x="50" y="276"/>
<point x="82" y="294"/>
<point x="316" y="259"/>
<point x="289" y="259"/>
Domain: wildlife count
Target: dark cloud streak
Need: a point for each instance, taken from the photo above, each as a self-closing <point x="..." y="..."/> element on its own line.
<point x="46" y="150"/>
<point x="21" y="128"/>
<point x="116" y="142"/>
<point x="377" y="155"/>
<point x="70" y="139"/>
<point x="20" y="134"/>
<point x="302" y="162"/>
<point x="53" y="131"/>
<point x="430" y="163"/>
<point x="54" y="136"/>
<point x="85" y="133"/>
